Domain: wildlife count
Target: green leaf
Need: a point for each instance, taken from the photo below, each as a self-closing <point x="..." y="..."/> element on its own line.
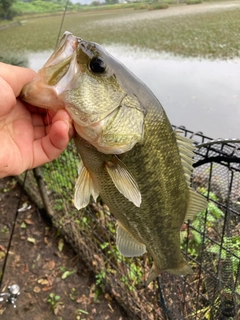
<point x="23" y="225"/>
<point x="104" y="245"/>
<point x="32" y="240"/>
<point x="82" y="311"/>
<point x="67" y="274"/>
<point x="63" y="268"/>
<point x="60" y="245"/>
<point x="51" y="295"/>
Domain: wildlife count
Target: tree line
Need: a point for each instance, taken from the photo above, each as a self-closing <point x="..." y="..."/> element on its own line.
<point x="10" y="8"/>
<point x="6" y="11"/>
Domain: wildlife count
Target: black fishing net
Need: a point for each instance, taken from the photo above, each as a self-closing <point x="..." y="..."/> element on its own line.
<point x="210" y="243"/>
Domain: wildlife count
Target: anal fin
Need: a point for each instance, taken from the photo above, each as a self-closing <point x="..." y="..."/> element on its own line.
<point x="84" y="188"/>
<point x="127" y="244"/>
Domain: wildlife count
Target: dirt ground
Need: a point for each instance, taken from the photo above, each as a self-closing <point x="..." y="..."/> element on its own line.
<point x="54" y="282"/>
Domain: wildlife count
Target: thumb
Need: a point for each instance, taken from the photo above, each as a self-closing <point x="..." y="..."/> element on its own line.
<point x="8" y="99"/>
<point x="12" y="79"/>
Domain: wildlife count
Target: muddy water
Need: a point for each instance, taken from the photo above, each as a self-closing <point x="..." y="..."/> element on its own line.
<point x="202" y="95"/>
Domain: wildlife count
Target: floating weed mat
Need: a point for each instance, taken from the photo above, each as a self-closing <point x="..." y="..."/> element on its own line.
<point x="210" y="244"/>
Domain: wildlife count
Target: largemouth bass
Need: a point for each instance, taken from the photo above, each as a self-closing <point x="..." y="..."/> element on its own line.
<point x="130" y="155"/>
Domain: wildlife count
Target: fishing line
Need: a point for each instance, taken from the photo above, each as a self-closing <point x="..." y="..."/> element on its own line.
<point x="61" y="24"/>
<point x="12" y="232"/>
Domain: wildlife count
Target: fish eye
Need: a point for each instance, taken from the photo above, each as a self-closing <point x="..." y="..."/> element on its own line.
<point x="97" y="65"/>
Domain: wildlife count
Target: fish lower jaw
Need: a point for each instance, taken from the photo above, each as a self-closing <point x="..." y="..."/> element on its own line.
<point x="38" y="94"/>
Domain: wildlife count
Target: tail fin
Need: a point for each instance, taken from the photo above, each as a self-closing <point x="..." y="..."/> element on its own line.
<point x="183" y="270"/>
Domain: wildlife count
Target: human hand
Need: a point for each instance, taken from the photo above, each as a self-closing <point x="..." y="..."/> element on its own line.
<point x="29" y="136"/>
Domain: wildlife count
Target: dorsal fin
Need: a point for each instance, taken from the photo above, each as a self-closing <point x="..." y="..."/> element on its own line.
<point x="186" y="148"/>
<point x="84" y="188"/>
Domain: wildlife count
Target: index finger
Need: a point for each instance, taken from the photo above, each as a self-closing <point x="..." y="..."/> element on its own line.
<point x="15" y="76"/>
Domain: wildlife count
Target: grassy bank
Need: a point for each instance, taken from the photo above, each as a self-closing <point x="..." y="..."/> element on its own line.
<point x="41" y="7"/>
<point x="183" y="30"/>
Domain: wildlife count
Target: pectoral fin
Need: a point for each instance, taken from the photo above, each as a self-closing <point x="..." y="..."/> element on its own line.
<point x="127" y="244"/>
<point x="124" y="181"/>
<point x="84" y="188"/>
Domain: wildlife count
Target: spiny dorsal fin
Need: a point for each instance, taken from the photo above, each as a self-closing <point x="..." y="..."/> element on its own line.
<point x="196" y="204"/>
<point x="124" y="181"/>
<point x="127" y="245"/>
<point x="186" y="148"/>
<point x="84" y="188"/>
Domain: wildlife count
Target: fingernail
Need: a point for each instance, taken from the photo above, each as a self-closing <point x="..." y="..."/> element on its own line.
<point x="70" y="129"/>
<point x="68" y="124"/>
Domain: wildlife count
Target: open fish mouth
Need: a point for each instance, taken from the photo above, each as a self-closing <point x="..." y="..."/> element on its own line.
<point x="66" y="47"/>
<point x="58" y="75"/>
<point x="61" y="59"/>
<point x="53" y="78"/>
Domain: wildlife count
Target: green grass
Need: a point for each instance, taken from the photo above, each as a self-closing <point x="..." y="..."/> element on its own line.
<point x="193" y="1"/>
<point x="36" y="7"/>
<point x="158" y="6"/>
<point x="212" y="34"/>
<point x="40" y="7"/>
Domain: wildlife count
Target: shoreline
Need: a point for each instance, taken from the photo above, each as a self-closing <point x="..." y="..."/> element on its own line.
<point x="10" y="25"/>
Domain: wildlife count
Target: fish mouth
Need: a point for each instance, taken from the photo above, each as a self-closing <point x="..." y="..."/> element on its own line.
<point x="43" y="91"/>
<point x="58" y="76"/>
<point x="67" y="45"/>
<point x="59" y="62"/>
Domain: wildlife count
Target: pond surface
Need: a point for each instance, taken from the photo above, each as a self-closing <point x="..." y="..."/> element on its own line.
<point x="202" y="95"/>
